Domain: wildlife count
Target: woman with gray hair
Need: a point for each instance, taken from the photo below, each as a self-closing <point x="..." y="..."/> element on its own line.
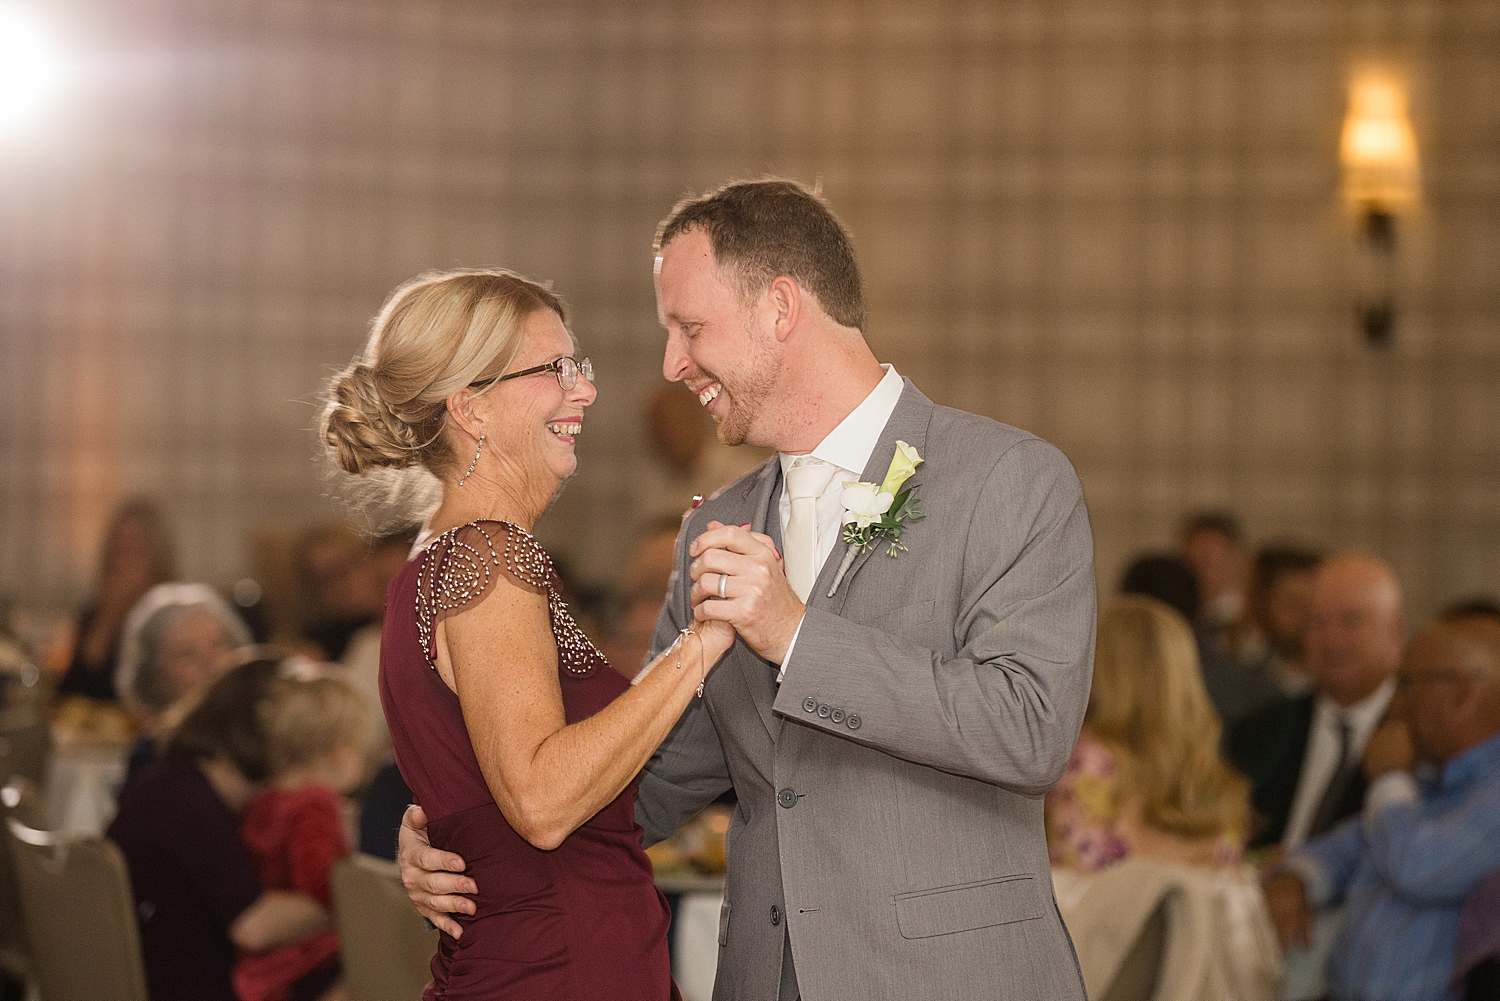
<point x="178" y="640"/>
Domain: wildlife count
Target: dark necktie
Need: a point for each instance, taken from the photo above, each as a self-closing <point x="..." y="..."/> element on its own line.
<point x="1327" y="813"/>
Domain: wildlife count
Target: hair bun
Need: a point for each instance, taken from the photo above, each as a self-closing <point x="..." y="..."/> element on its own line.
<point x="362" y="429"/>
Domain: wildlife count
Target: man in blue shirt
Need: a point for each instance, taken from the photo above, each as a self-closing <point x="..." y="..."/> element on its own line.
<point x="1429" y="831"/>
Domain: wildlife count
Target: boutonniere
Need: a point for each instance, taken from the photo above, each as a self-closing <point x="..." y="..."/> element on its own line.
<point x="879" y="512"/>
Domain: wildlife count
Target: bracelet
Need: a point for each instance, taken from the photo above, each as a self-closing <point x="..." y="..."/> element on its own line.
<point x="682" y="636"/>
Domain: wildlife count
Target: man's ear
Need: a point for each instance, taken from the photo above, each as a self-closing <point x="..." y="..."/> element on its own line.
<point x="786" y="301"/>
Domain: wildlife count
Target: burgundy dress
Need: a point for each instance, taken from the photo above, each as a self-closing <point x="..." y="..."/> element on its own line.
<point x="582" y="922"/>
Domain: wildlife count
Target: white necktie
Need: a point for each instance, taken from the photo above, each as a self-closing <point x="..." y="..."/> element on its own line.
<point x="805" y="482"/>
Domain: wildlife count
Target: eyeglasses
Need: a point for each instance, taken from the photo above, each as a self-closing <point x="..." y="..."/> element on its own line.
<point x="566" y="369"/>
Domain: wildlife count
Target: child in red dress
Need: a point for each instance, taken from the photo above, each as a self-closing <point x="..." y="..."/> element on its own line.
<point x="318" y="732"/>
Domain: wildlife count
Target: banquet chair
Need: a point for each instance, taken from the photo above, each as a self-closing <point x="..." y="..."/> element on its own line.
<point x="75" y="890"/>
<point x="24" y="751"/>
<point x="20" y="799"/>
<point x="1136" y="977"/>
<point x="386" y="946"/>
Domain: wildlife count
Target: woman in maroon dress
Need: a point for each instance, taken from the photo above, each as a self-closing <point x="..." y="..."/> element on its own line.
<point x="517" y="739"/>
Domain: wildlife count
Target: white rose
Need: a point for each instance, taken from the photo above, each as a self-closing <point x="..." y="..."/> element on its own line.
<point x="864" y="503"/>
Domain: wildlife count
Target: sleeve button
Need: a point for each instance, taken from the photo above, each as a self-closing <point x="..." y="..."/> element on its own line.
<point x="853" y="721"/>
<point x="838" y="715"/>
<point x="824" y="709"/>
<point x="810" y="704"/>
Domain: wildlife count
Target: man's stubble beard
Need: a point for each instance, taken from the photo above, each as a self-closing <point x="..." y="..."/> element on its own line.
<point x="752" y="387"/>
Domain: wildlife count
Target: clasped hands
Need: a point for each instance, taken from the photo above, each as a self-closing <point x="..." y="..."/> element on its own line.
<point x="757" y="600"/>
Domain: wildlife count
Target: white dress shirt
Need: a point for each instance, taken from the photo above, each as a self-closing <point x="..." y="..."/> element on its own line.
<point x="1322" y="758"/>
<point x="848" y="448"/>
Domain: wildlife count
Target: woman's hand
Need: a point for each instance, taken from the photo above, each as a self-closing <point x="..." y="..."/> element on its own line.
<point x="705" y="647"/>
<point x="431" y="875"/>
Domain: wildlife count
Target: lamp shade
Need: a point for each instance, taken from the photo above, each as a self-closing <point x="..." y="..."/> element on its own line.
<point x="1378" y="150"/>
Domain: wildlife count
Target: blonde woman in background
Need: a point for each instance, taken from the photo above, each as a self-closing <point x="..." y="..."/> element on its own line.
<point x="1148" y="814"/>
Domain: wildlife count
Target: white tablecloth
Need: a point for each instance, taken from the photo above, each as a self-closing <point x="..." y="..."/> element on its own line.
<point x="696" y="945"/>
<point x="81" y="785"/>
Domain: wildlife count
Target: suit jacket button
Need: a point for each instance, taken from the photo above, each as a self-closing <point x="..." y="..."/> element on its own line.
<point x="838" y="715"/>
<point x="824" y="709"/>
<point x="787" y="798"/>
<point x="775" y="915"/>
<point x="853" y="722"/>
<point x="810" y="704"/>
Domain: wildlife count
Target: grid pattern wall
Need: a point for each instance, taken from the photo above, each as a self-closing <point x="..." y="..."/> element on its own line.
<point x="1113" y="223"/>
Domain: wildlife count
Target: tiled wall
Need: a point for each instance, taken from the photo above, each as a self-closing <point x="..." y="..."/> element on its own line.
<point x="1115" y="224"/>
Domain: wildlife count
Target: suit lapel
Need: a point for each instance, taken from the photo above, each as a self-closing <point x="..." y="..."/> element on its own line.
<point x="758" y="674"/>
<point x="908" y="423"/>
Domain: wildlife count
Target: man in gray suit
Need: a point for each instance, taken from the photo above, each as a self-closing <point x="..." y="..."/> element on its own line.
<point x="888" y="724"/>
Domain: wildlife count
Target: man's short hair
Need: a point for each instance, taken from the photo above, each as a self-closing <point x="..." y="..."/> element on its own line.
<point x="1223" y="522"/>
<point x="1282" y="560"/>
<point x="761" y="230"/>
<point x="1168" y="579"/>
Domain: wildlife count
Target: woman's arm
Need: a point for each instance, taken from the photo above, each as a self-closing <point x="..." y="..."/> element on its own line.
<point x="276" y="918"/>
<point x="549" y="777"/>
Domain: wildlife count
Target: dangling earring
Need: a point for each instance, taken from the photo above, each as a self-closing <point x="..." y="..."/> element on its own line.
<point x="465" y="476"/>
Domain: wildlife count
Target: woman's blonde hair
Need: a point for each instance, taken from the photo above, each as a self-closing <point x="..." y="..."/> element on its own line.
<point x="1148" y="704"/>
<point x="308" y="717"/>
<point x="435" y="335"/>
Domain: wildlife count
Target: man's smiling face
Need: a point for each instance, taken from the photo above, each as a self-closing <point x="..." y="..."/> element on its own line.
<point x="715" y="343"/>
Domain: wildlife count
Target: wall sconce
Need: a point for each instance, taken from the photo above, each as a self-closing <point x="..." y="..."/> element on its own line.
<point x="1381" y="180"/>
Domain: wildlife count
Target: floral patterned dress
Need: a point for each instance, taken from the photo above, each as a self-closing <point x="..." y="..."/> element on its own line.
<point x="1084" y="829"/>
<point x="1090" y="818"/>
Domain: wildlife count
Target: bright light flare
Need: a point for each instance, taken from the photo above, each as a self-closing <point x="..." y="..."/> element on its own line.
<point x="30" y="69"/>
<point x="1378" y="148"/>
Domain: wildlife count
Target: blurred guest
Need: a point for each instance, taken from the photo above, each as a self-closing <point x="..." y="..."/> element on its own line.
<point x="178" y="640"/>
<point x="137" y="554"/>
<point x="1213" y="545"/>
<point x="342" y="595"/>
<point x="1425" y="838"/>
<point x="1272" y="640"/>
<point x="317" y="737"/>
<point x="1146" y="774"/>
<point x="689" y="457"/>
<point x="359" y="664"/>
<point x="1476" y="964"/>
<point x="1476" y="954"/>
<point x="1482" y="606"/>
<point x="1168" y="579"/>
<point x="1234" y="692"/>
<point x="1302" y="754"/>
<point x="1146" y="782"/>
<point x="196" y="891"/>
<point x="381" y="807"/>
<point x="642" y="589"/>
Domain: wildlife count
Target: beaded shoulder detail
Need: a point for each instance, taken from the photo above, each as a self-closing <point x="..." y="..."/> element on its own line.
<point x="459" y="568"/>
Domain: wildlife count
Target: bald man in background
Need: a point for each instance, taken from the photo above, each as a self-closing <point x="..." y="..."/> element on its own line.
<point x="1302" y="754"/>
<point x="1425" y="837"/>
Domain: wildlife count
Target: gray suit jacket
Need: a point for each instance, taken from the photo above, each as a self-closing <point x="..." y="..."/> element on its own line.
<point x="890" y="816"/>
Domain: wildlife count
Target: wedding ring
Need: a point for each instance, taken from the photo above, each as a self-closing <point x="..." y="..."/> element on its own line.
<point x="723" y="583"/>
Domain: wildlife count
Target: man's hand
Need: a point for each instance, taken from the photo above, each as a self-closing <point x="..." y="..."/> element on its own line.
<point x="1389" y="749"/>
<point x="1286" y="899"/>
<point x="758" y="602"/>
<point x="430" y="875"/>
